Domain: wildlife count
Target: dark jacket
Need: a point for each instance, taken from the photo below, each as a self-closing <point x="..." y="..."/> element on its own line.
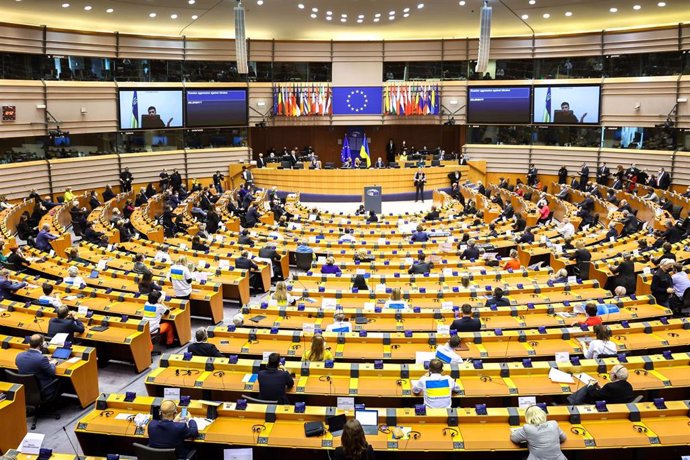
<point x="661" y="281"/>
<point x="420" y="268"/>
<point x="466" y="324"/>
<point x="338" y="454"/>
<point x="245" y="263"/>
<point x="35" y="363"/>
<point x="65" y="326"/>
<point x="626" y="276"/>
<point x="470" y="253"/>
<point x="273" y="383"/>
<point x="166" y="434"/>
<point x="205" y="349"/>
<point x="502" y="302"/>
<point x="618" y="392"/>
<point x="7" y="287"/>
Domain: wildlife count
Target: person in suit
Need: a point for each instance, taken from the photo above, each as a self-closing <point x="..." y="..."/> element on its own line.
<point x="419" y="236"/>
<point x="543" y="437"/>
<point x="126" y="180"/>
<point x="471" y="252"/>
<point x="625" y="274"/>
<point x="390" y="151"/>
<point x="454" y="177"/>
<point x="617" y="391"/>
<point x="261" y="162"/>
<point x="34" y="362"/>
<point x="480" y="188"/>
<point x="497" y="299"/>
<point x="671" y="234"/>
<point x="330" y="268"/>
<point x="419" y="182"/>
<point x="44" y="238"/>
<point x="663" y="179"/>
<point x="662" y="283"/>
<point x="16" y="260"/>
<point x="532" y="175"/>
<point x="245" y="263"/>
<point x="292" y="158"/>
<point x="562" y="175"/>
<point x="354" y="445"/>
<point x="218" y="179"/>
<point x="245" y="238"/>
<point x="584" y="175"/>
<point x="421" y="266"/>
<point x="462" y="159"/>
<point x="247" y="176"/>
<point x="164" y="180"/>
<point x="466" y="323"/>
<point x="7" y="286"/>
<point x="252" y="217"/>
<point x="269" y="252"/>
<point x="201" y="347"/>
<point x="526" y="237"/>
<point x="433" y="214"/>
<point x="603" y="174"/>
<point x="171" y="431"/>
<point x="65" y="323"/>
<point x="274" y="381"/>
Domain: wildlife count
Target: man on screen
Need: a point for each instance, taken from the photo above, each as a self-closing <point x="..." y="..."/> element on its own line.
<point x="567" y="116"/>
<point x="152" y="120"/>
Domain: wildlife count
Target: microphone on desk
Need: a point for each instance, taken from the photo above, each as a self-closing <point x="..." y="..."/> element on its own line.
<point x="76" y="452"/>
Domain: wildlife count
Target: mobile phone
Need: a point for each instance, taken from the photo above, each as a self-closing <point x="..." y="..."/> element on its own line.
<point x="184" y="412"/>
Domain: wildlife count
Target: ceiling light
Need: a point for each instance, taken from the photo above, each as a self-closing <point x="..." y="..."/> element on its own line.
<point x="377" y="15"/>
<point x="462" y="3"/>
<point x="661" y="4"/>
<point x="313" y="16"/>
<point x="406" y="15"/>
<point x="329" y="18"/>
<point x="300" y="6"/>
<point x="532" y="2"/>
<point x="613" y="9"/>
<point x="343" y="15"/>
<point x="546" y="15"/>
<point x="377" y="19"/>
<point x="88" y="8"/>
<point x="420" y="6"/>
<point x="524" y="17"/>
<point x="173" y="16"/>
<point x="343" y="19"/>
<point x="391" y="13"/>
<point x="568" y="13"/>
<point x="390" y="18"/>
<point x="194" y="17"/>
<point x="65" y="5"/>
<point x="636" y="7"/>
<point x="406" y="10"/>
<point x="361" y="16"/>
<point x="360" y="21"/>
<point x="329" y="13"/>
<point x="314" y="10"/>
<point x="260" y="2"/>
<point x="109" y="10"/>
<point x="191" y="2"/>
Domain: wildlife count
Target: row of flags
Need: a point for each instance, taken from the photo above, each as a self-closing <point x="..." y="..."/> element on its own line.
<point x="407" y="99"/>
<point x="346" y="154"/>
<point x="301" y="100"/>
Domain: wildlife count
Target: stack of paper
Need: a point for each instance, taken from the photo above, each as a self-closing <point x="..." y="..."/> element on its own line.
<point x="558" y="376"/>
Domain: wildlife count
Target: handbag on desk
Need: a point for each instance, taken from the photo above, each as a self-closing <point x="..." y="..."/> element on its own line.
<point x="312" y="429"/>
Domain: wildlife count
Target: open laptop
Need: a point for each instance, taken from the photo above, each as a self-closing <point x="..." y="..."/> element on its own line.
<point x="62" y="353"/>
<point x="369" y="419"/>
<point x="336" y="424"/>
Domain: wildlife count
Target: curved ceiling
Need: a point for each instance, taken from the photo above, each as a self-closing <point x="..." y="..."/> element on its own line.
<point x="349" y="19"/>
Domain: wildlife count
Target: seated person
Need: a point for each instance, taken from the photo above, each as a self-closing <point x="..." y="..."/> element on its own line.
<point x="274" y="381"/>
<point x="497" y="299"/>
<point x="340" y="323"/>
<point x="139" y="266"/>
<point x="617" y="391"/>
<point x="346" y="237"/>
<point x="171" y="431"/>
<point x="73" y="279"/>
<point x="281" y="295"/>
<point x="318" y="351"/>
<point x="446" y="353"/>
<point x="471" y="252"/>
<point x="163" y="256"/>
<point x="602" y="345"/>
<point x="201" y="347"/>
<point x="360" y="283"/>
<point x="197" y="245"/>
<point x="514" y="262"/>
<point x="48" y="299"/>
<point x="561" y="276"/>
<point x="66" y="322"/>
<point x="526" y="237"/>
<point x="396" y="301"/>
<point x="466" y="323"/>
<point x="566" y="229"/>
<point x="154" y="310"/>
<point x="419" y="236"/>
<point x="330" y="268"/>
<point x="44" y="238"/>
<point x="245" y="238"/>
<point x="372" y="217"/>
<point x="436" y="387"/>
<point x="433" y="214"/>
<point x="246" y="263"/>
<point x="147" y="285"/>
<point x="34" y="362"/>
<point x="362" y="256"/>
<point x="304" y="248"/>
<point x="421" y="266"/>
<point x="592" y="318"/>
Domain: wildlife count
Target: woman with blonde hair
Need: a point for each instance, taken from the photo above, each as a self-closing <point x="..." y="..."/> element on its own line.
<point x="396" y="299"/>
<point x="543" y="438"/>
<point x="318" y="351"/>
<point x="281" y="295"/>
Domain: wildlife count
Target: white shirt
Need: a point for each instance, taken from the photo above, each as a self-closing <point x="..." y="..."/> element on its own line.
<point x="447" y="354"/>
<point x="599" y="347"/>
<point x="179" y="274"/>
<point x="75" y="281"/>
<point x="681" y="282"/>
<point x="152" y="315"/>
<point x="49" y="300"/>
<point x="567" y="230"/>
<point x="349" y="237"/>
<point x="437" y="389"/>
<point x="162" y="257"/>
<point x="339" y="326"/>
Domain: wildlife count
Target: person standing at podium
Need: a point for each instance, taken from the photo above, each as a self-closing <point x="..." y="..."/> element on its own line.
<point x="419" y="182"/>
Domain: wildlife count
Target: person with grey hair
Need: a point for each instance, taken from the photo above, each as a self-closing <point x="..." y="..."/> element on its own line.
<point x="238" y="320"/>
<point x="340" y="323"/>
<point x="73" y="278"/>
<point x="201" y="347"/>
<point x="662" y="284"/>
<point x="543" y="437"/>
<point x="617" y="391"/>
<point x="44" y="238"/>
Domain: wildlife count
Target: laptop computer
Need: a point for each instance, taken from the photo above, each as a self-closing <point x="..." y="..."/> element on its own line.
<point x="369" y="419"/>
<point x="62" y="353"/>
<point x="336" y="424"/>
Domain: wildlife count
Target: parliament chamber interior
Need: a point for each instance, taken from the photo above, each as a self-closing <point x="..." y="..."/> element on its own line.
<point x="345" y="230"/>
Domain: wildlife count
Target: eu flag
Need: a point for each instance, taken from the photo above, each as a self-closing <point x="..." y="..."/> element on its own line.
<point x="358" y="100"/>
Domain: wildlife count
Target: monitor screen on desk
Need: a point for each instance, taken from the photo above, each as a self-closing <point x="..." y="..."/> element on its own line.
<point x="367" y="417"/>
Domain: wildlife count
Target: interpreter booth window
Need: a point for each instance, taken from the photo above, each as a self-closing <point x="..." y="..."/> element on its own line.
<point x="211" y="71"/>
<point x="320" y="71"/>
<point x="454" y="70"/>
<point x="260" y="71"/>
<point x="79" y="68"/>
<point x="424" y="70"/>
<point x="216" y="138"/>
<point x="291" y="71"/>
<point x="488" y="74"/>
<point x="568" y="67"/>
<point x="148" y="70"/>
<point x="500" y="135"/>
<point x="567" y="136"/>
<point x="686" y="62"/>
<point x="643" y="64"/>
<point x="636" y="138"/>
<point x="81" y="145"/>
<point x="512" y="69"/>
<point x="151" y="140"/>
<point x="394" y="71"/>
<point x="19" y="149"/>
<point x="684" y="140"/>
<point x="18" y="66"/>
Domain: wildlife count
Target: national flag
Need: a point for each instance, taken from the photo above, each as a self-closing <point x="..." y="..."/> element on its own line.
<point x="434" y="108"/>
<point x="345" y="152"/>
<point x="358" y="100"/>
<point x="547" y="106"/>
<point x="135" y="111"/>
<point x="364" y="151"/>
<point x="437" y="388"/>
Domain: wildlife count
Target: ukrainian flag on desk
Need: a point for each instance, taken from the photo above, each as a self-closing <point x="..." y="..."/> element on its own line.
<point x="364" y="151"/>
<point x="135" y="111"/>
<point x="547" y="107"/>
<point x="437" y="388"/>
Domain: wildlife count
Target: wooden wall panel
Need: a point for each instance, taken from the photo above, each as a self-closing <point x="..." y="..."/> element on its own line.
<point x="429" y="50"/>
<point x="209" y="50"/>
<point x="549" y="160"/>
<point x="620" y="96"/>
<point x="500" y="158"/>
<point x="15" y="38"/>
<point x="568" y="45"/>
<point x="24" y="95"/>
<point x="681" y="170"/>
<point x="453" y="101"/>
<point x="140" y="47"/>
<point x="260" y="50"/>
<point x="358" y="52"/>
<point x="648" y="41"/>
<point x="511" y="48"/>
<point x="70" y="43"/>
<point x="145" y="167"/>
<point x="84" y="173"/>
<point x="66" y="100"/>
<point x="684" y="107"/>
<point x="685" y="37"/>
<point x="204" y="163"/>
<point x="18" y="179"/>
<point x="289" y="51"/>
<point x="454" y="50"/>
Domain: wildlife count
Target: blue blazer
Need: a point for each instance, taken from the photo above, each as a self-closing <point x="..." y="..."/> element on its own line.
<point x="36" y="363"/>
<point x="166" y="434"/>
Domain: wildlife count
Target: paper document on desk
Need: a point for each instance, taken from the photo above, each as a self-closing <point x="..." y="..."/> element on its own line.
<point x="224" y="264"/>
<point x="238" y="454"/>
<point x="123" y="416"/>
<point x="71" y="297"/>
<point x="101" y="265"/>
<point x="74" y="360"/>
<point x="565" y="314"/>
<point x="584" y="341"/>
<point x="585" y="379"/>
<point x="202" y="423"/>
<point x="558" y="376"/>
<point x="31" y="444"/>
<point x="59" y="339"/>
<point x="380" y="288"/>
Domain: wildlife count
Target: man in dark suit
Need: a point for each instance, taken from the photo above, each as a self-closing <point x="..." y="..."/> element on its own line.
<point x="292" y="158"/>
<point x="65" y="323"/>
<point x="175" y="180"/>
<point x="34" y="362"/>
<point x="421" y="266"/>
<point x="164" y="179"/>
<point x="454" y="177"/>
<point x="617" y="391"/>
<point x="252" y="216"/>
<point x="603" y="174"/>
<point x="269" y="252"/>
<point x="481" y="189"/>
<point x="630" y="223"/>
<point x="7" y="286"/>
<point x="126" y="180"/>
<point x="562" y="175"/>
<point x="390" y="151"/>
<point x="671" y="234"/>
<point x="379" y="164"/>
<point x="497" y="299"/>
<point x="245" y="263"/>
<point x="526" y="237"/>
<point x="433" y="214"/>
<point x="531" y="175"/>
<point x="274" y="381"/>
<point x="261" y="163"/>
<point x="202" y="348"/>
<point x="663" y="179"/>
<point x="466" y="323"/>
<point x="470" y="252"/>
<point x="584" y="176"/>
<point x="171" y="431"/>
<point x="419" y="182"/>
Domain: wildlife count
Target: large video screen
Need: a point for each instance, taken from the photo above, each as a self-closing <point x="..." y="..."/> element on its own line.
<point x="150" y="108"/>
<point x="494" y="104"/>
<point x="216" y="107"/>
<point x="566" y="105"/>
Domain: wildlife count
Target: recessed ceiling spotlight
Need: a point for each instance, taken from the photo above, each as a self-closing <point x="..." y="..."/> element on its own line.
<point x="300" y="6"/>
<point x="462" y="3"/>
<point x="532" y="2"/>
<point x="360" y="21"/>
<point x="661" y="4"/>
<point x="259" y="2"/>
<point x="152" y="15"/>
<point x="377" y="19"/>
<point x="329" y="18"/>
<point x="390" y="18"/>
<point x="329" y="13"/>
<point x="377" y="15"/>
<point x="173" y="16"/>
<point x="88" y="8"/>
<point x="361" y="16"/>
<point x="524" y="17"/>
<point x="613" y="9"/>
<point x="546" y="15"/>
<point x="406" y="10"/>
<point x="191" y="2"/>
<point x="420" y="6"/>
<point x="314" y="10"/>
<point x="636" y="7"/>
<point x="343" y="15"/>
<point x="313" y="16"/>
<point x="406" y="15"/>
<point x="194" y="17"/>
<point x="65" y="5"/>
<point x="568" y="13"/>
<point x="109" y="10"/>
<point x="391" y="13"/>
<point x="343" y="19"/>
